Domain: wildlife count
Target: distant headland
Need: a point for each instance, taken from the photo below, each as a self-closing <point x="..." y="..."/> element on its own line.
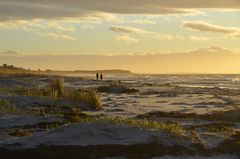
<point x="11" y="69"/>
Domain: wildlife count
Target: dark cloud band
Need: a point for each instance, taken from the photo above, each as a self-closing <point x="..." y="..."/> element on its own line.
<point x="207" y="27"/>
<point x="47" y="9"/>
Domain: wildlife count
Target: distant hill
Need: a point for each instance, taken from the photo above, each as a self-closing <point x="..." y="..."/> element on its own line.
<point x="11" y="69"/>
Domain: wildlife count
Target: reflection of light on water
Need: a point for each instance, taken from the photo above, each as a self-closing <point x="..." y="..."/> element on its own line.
<point x="195" y="86"/>
<point x="205" y="86"/>
<point x="194" y="81"/>
<point x="235" y="79"/>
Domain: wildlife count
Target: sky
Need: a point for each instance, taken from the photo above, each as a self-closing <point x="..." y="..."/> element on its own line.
<point x="116" y="28"/>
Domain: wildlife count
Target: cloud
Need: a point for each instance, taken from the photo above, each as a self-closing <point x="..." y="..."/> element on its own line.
<point x="55" y="29"/>
<point x="141" y="34"/>
<point x="125" y="29"/>
<point x="57" y="25"/>
<point x="144" y="21"/>
<point x="28" y="10"/>
<point x="28" y="13"/>
<point x="12" y="24"/>
<point x="198" y="38"/>
<point x="126" y="38"/>
<point x="39" y="24"/>
<point x="208" y="27"/>
<point x="160" y="36"/>
<point x="122" y="20"/>
<point x="213" y="49"/>
<point x="56" y="36"/>
<point x="10" y="53"/>
<point x="57" y="9"/>
<point x="96" y="9"/>
<point x="234" y="36"/>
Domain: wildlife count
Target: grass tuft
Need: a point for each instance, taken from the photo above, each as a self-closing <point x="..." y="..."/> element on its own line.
<point x="57" y="87"/>
<point x="173" y="128"/>
<point x="90" y="97"/>
<point x="20" y="133"/>
<point x="7" y="107"/>
<point x="57" y="91"/>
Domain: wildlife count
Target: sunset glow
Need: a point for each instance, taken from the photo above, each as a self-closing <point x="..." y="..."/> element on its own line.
<point x="31" y="29"/>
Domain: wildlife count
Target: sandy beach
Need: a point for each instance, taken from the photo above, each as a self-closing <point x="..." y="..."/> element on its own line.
<point x="163" y="116"/>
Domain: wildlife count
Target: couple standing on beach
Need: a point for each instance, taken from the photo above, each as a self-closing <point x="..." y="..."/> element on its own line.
<point x="101" y="76"/>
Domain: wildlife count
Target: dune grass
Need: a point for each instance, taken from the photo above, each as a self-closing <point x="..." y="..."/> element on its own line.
<point x="90" y="97"/>
<point x="57" y="87"/>
<point x="56" y="91"/>
<point x="7" y="107"/>
<point x="34" y="92"/>
<point x="74" y="115"/>
<point x="13" y="71"/>
<point x="20" y="133"/>
<point x="173" y="128"/>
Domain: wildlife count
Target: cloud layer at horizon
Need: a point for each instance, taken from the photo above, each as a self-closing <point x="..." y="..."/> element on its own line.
<point x="216" y="60"/>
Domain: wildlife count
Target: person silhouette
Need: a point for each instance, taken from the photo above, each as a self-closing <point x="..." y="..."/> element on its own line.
<point x="97" y="76"/>
<point x="101" y="76"/>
